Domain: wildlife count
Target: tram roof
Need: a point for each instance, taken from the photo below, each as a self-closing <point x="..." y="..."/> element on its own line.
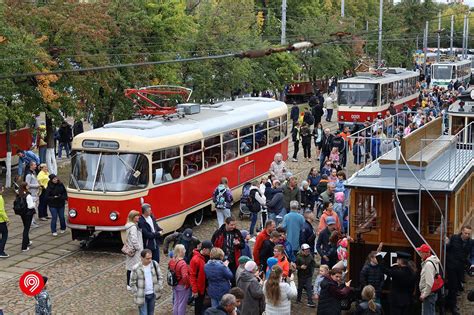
<point x="212" y="119"/>
<point x="393" y="74"/>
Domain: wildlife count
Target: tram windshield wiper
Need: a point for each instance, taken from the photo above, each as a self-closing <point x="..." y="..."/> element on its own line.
<point x="75" y="182"/>
<point x="136" y="173"/>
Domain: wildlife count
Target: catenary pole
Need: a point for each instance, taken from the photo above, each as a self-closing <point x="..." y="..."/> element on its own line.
<point x="451" y="37"/>
<point x="425" y="47"/>
<point x="342" y="8"/>
<point x="439" y="36"/>
<point x="379" y="55"/>
<point x="283" y="22"/>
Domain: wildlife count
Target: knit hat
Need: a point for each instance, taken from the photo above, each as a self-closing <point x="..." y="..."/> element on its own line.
<point x="339" y="197"/>
<point x="52" y="176"/>
<point x="244" y="259"/>
<point x="250" y="266"/>
<point x="244" y="233"/>
<point x="272" y="261"/>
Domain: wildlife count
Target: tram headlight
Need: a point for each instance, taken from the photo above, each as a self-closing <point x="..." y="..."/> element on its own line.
<point x="72" y="213"/>
<point x="368" y="118"/>
<point x="342" y="117"/>
<point x="113" y="216"/>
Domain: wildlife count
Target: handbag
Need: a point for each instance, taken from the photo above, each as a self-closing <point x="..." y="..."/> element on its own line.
<point x="127" y="249"/>
<point x="438" y="281"/>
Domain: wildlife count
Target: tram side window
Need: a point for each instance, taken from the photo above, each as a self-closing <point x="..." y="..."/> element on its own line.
<point x="284" y="125"/>
<point x="212" y="151"/>
<point x="261" y="133"/>
<point x="192" y="158"/>
<point x="273" y="130"/>
<point x="246" y="140"/>
<point x="384" y="94"/>
<point x="401" y="88"/>
<point x="166" y="165"/>
<point x="366" y="217"/>
<point x="230" y="145"/>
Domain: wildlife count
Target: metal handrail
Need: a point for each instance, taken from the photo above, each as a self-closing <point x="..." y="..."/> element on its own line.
<point x="392" y="117"/>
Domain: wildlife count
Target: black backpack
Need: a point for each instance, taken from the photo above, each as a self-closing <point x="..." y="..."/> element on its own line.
<point x="20" y="206"/>
<point x="253" y="204"/>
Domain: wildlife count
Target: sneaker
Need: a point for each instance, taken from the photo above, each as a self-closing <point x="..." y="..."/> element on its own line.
<point x="309" y="160"/>
<point x="34" y="225"/>
<point x="295" y="160"/>
<point x="55" y="234"/>
<point x="4" y="255"/>
<point x="30" y="243"/>
<point x="25" y="250"/>
<point x="129" y="288"/>
<point x="311" y="304"/>
<point x="62" y="231"/>
<point x="43" y="219"/>
<point x="48" y="217"/>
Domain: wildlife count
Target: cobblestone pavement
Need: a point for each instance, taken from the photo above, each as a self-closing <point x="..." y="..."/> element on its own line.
<point x="90" y="281"/>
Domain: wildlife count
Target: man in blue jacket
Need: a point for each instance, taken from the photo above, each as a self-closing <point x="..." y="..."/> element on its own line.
<point x="25" y="157"/>
<point x="151" y="232"/>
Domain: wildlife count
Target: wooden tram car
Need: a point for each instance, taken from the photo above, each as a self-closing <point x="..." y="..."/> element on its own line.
<point x="366" y="95"/>
<point x="392" y="203"/>
<point x="172" y="163"/>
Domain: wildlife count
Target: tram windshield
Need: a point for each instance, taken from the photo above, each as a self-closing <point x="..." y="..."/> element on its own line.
<point x="108" y="171"/>
<point x="357" y="94"/>
<point x="442" y="72"/>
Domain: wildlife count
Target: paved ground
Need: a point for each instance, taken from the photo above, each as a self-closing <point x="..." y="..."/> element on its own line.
<point x="89" y="281"/>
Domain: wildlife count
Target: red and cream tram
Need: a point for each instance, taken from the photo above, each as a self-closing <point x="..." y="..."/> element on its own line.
<point x="364" y="96"/>
<point x="174" y="164"/>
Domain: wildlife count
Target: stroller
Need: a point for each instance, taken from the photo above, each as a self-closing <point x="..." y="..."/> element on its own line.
<point x="243" y="209"/>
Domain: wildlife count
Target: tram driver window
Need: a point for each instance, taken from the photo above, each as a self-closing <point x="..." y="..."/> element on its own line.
<point x="230" y="145"/>
<point x="166" y="165"/>
<point x="192" y="158"/>
<point x="212" y="151"/>
<point x="246" y="140"/>
<point x="366" y="217"/>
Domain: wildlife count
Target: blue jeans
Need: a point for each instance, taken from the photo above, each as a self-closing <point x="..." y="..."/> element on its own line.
<point x="55" y="212"/>
<point x="148" y="308"/>
<point x="64" y="145"/>
<point x="42" y="154"/>
<point x="253" y="222"/>
<point x="429" y="304"/>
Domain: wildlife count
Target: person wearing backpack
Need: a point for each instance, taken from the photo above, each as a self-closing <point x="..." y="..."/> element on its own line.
<point x="4" y="221"/>
<point x="430" y="267"/>
<point x="24" y="206"/>
<point x="146" y="282"/>
<point x="255" y="204"/>
<point x="178" y="278"/>
<point x="222" y="199"/>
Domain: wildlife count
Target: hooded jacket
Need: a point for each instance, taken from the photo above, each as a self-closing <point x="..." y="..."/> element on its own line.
<point x="253" y="303"/>
<point x="290" y="195"/>
<point x="197" y="275"/>
<point x="276" y="203"/>
<point x="56" y="195"/>
<point x="331" y="295"/>
<point x="307" y="260"/>
<point x="429" y="268"/>
<point x="218" y="277"/>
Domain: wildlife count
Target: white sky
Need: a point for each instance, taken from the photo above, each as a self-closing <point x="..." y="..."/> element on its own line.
<point x="468" y="2"/>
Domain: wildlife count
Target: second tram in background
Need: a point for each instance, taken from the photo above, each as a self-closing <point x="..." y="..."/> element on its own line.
<point x="366" y="95"/>
<point x="443" y="72"/>
<point x="174" y="164"/>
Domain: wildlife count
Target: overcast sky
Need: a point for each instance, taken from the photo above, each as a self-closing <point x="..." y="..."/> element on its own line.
<point x="468" y="2"/>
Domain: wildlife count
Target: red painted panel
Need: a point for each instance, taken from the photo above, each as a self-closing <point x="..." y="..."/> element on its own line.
<point x="20" y="139"/>
<point x="175" y="197"/>
<point x="246" y="171"/>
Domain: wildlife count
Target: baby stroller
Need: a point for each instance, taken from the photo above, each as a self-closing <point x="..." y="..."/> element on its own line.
<point x="243" y="209"/>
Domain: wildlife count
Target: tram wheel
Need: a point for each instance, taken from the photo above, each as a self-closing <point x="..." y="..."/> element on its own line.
<point x="198" y="217"/>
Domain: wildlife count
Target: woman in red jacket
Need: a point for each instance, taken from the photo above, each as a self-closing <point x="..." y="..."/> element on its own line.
<point x="182" y="290"/>
<point x="197" y="276"/>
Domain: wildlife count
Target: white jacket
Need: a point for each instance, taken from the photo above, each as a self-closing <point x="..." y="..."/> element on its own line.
<point x="428" y="272"/>
<point x="287" y="292"/>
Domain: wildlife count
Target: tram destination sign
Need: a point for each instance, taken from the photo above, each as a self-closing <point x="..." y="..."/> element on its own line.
<point x="100" y="144"/>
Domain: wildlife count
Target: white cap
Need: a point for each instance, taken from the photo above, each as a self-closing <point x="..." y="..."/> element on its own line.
<point x="305" y="246"/>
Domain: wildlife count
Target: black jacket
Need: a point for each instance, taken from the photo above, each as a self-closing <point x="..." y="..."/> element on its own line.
<point x="373" y="275"/>
<point x="339" y="143"/>
<point x="150" y="239"/>
<point x="295" y="113"/>
<point x="458" y="252"/>
<point x="266" y="252"/>
<point x="178" y="238"/>
<point x="331" y="295"/>
<point x="363" y="309"/>
<point x="56" y="195"/>
<point x="78" y="127"/>
<point x="275" y="204"/>
<point x="318" y="112"/>
<point x="326" y="143"/>
<point x="310" y="265"/>
<point x="308" y="235"/>
<point x="403" y="283"/>
<point x="323" y="246"/>
<point x="65" y="133"/>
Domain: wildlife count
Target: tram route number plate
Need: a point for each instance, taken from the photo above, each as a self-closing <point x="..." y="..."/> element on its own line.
<point x="93" y="209"/>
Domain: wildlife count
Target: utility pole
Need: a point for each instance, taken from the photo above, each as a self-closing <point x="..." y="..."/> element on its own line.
<point x="417" y="46"/>
<point x="451" y="37"/>
<point x="467" y="34"/>
<point x="464" y="37"/>
<point x="439" y="36"/>
<point x="342" y="8"/>
<point x="425" y="47"/>
<point x="379" y="55"/>
<point x="367" y="34"/>
<point x="283" y="22"/>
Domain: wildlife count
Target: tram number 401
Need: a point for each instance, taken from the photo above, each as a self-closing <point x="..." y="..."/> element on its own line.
<point x="93" y="209"/>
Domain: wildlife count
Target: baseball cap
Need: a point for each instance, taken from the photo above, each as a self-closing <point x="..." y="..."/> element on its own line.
<point x="305" y="246"/>
<point x="244" y="259"/>
<point x="250" y="266"/>
<point x="424" y="249"/>
<point x="187" y="234"/>
<point x="207" y="244"/>
<point x="330" y="220"/>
